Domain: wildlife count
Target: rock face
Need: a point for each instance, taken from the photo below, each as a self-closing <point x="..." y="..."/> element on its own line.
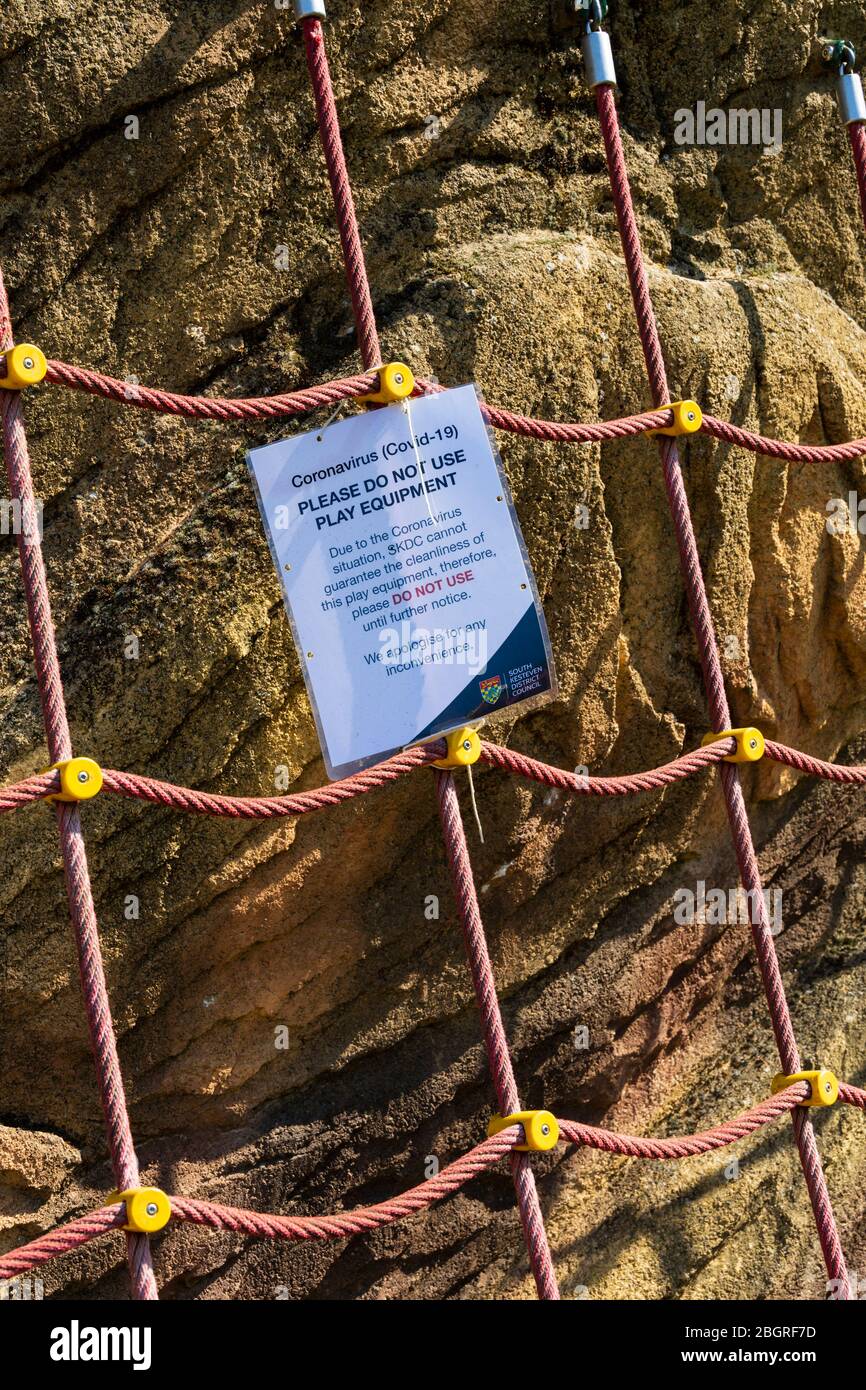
<point x="202" y="256"/>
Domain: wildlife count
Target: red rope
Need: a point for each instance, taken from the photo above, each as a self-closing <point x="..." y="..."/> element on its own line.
<point x="31" y="789"/>
<point x="852" y="1095"/>
<point x="101" y="1029"/>
<point x="816" y="767"/>
<point x="713" y="680"/>
<point x="857" y="137"/>
<point x="243" y="408"/>
<point x="79" y="892"/>
<point x="61" y="1240"/>
<point x="687" y="1145"/>
<point x="343" y="1225"/>
<point x="344" y="204"/>
<point x="264" y="807"/>
<point x="330" y="393"/>
<point x="168" y="794"/>
<point x="779" y="449"/>
<point x="495" y="1041"/>
<point x="248" y="408"/>
<point x="696" y="761"/>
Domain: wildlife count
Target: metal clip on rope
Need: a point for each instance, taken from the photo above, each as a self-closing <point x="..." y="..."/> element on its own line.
<point x="597" y="53"/>
<point x="849" y="88"/>
<point x="310" y="9"/>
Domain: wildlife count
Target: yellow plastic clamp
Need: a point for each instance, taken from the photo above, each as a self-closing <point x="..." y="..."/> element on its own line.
<point x="464" y="747"/>
<point x="540" y="1129"/>
<point x="147" y="1208"/>
<point x="688" y="417"/>
<point x="395" y="383"/>
<point x="80" y="779"/>
<point x="823" y="1084"/>
<point x="750" y="744"/>
<point x="25" y="365"/>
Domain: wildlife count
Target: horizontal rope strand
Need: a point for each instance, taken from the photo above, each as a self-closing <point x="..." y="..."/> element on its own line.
<point x="342" y="1225"/>
<point x="169" y="794"/>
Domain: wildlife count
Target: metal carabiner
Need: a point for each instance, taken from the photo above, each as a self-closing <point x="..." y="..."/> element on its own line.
<point x="849" y="88"/>
<point x="841" y="52"/>
<point x="596" y="12"/>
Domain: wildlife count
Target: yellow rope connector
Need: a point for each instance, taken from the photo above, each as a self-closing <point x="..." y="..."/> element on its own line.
<point x="80" y="779"/>
<point x="823" y="1085"/>
<point x="540" y="1128"/>
<point x="688" y="417"/>
<point x="25" y="365"/>
<point x="396" y="382"/>
<point x="750" y="744"/>
<point x="147" y="1208"/>
<point x="464" y="748"/>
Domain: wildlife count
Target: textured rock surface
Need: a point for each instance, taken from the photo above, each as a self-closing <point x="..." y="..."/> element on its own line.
<point x="493" y="254"/>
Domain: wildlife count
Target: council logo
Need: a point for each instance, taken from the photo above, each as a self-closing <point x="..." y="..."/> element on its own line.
<point x="491" y="689"/>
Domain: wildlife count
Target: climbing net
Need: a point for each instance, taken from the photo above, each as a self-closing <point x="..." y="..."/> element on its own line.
<point x="514" y="1133"/>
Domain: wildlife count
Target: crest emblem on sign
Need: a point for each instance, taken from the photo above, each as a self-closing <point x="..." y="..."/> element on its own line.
<point x="491" y="689"/>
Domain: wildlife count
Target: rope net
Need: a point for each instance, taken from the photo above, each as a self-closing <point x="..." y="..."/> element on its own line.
<point x="509" y="1142"/>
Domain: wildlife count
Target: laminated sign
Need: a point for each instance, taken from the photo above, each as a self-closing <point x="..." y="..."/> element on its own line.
<point x="406" y="579"/>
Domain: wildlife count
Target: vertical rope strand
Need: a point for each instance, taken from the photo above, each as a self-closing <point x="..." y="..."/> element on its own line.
<point x="344" y="203"/>
<point x="493" y="1029"/>
<point x="857" y="138"/>
<point x="701" y="615"/>
<point x="81" y="907"/>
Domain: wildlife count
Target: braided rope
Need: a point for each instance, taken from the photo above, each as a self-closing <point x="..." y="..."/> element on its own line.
<point x="344" y="204"/>
<point x="687" y="1145"/>
<point x="686" y="766"/>
<point x="857" y="138"/>
<point x="82" y="911"/>
<point x="330" y="393"/>
<point x="264" y="807"/>
<point x="778" y="448"/>
<point x="31" y="789"/>
<point x="243" y="408"/>
<point x="495" y="1041"/>
<point x="61" y="1240"/>
<point x="170" y="795"/>
<point x="79" y="892"/>
<point x="852" y="1095"/>
<point x="702" y="623"/>
<point x="816" y="767"/>
<point x="343" y="1225"/>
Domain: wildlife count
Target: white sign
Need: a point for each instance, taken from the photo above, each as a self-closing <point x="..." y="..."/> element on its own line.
<point x="406" y="579"/>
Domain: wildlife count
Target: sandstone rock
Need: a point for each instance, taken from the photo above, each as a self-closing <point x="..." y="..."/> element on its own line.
<point x="493" y="253"/>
